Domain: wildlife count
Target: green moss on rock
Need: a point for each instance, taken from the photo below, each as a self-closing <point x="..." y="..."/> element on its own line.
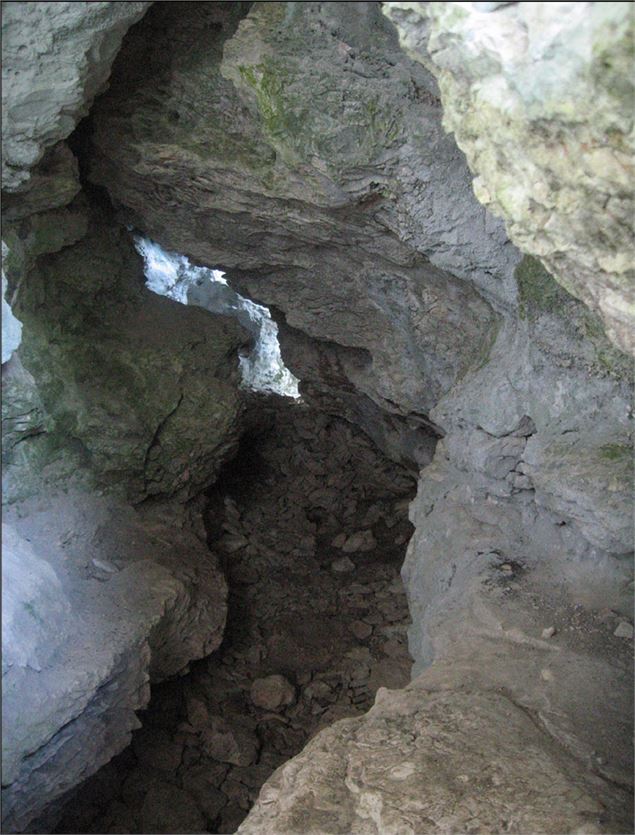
<point x="616" y="452"/>
<point x="538" y="291"/>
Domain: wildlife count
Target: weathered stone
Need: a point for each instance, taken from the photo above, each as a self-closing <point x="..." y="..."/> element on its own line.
<point x="164" y="607"/>
<point x="197" y="712"/>
<point x="274" y="692"/>
<point x="383" y="774"/>
<point x="359" y="541"/>
<point x="343" y="566"/>
<point x="53" y="65"/>
<point x="405" y="309"/>
<point x="339" y="540"/>
<point x="11" y="327"/>
<point x="540" y="100"/>
<point x="312" y="153"/>
<point x="361" y="630"/>
<point x="624" y="629"/>
<point x="98" y="374"/>
<point x="229" y="743"/>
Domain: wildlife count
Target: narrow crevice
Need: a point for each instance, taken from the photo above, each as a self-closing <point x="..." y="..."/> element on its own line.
<point x="310" y="524"/>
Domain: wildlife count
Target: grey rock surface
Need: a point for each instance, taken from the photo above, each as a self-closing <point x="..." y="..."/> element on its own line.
<point x="11" y="327"/>
<point x="55" y="60"/>
<point x="96" y="368"/>
<point x="348" y="166"/>
<point x="101" y="600"/>
<point x="404" y="308"/>
<point x="290" y="618"/>
<point x="540" y="100"/>
<point x="98" y="602"/>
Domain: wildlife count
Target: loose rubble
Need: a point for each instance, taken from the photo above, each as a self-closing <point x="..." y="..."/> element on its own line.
<point x="306" y="643"/>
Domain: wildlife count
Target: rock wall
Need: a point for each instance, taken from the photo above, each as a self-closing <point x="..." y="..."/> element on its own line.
<point x="114" y="398"/>
<point x="99" y="600"/>
<point x="402" y="306"/>
<point x="310" y="522"/>
<point x="312" y="192"/>
<point x="540" y="100"/>
<point x="55" y="61"/>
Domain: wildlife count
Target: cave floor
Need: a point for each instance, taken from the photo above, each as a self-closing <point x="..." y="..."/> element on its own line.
<point x="310" y="521"/>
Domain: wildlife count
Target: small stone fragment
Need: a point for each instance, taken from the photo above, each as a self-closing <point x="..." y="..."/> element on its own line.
<point x="360" y="541"/>
<point x="343" y="565"/>
<point x="624" y="629"/>
<point x="235" y="745"/>
<point x="105" y="565"/>
<point x="339" y="540"/>
<point x="272" y="693"/>
<point x="318" y="690"/>
<point x="361" y="630"/>
<point x="231" y="544"/>
<point x="197" y="712"/>
<point x="549" y="632"/>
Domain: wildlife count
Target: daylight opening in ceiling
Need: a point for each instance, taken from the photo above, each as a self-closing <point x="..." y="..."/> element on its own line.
<point x="172" y="275"/>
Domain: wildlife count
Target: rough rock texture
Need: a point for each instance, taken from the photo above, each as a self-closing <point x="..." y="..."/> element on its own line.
<point x="426" y="762"/>
<point x="312" y="479"/>
<point x="540" y="99"/>
<point x="11" y="327"/>
<point x="96" y="367"/>
<point x="113" y="392"/>
<point x="402" y="306"/>
<point x="55" y="60"/>
<point x="253" y="176"/>
<point x="98" y="600"/>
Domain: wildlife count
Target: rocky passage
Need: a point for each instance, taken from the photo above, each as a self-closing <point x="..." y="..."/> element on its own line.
<point x="310" y="522"/>
<point x="302" y="148"/>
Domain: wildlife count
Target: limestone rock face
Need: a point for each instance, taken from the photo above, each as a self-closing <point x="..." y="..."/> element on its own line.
<point x="298" y="148"/>
<point x="539" y="98"/>
<point x="149" y="388"/>
<point x="54" y="63"/>
<point x="113" y="396"/>
<point x="11" y="327"/>
<point x="98" y="601"/>
<point x="345" y="195"/>
<point x="422" y="761"/>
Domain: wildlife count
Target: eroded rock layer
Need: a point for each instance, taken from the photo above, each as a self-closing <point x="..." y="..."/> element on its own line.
<point x="114" y="397"/>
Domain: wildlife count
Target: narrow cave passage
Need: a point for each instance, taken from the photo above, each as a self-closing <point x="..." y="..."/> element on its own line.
<point x="310" y="520"/>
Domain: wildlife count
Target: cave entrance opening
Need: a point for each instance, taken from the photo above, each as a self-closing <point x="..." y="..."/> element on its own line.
<point x="310" y="524"/>
<point x="173" y="275"/>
